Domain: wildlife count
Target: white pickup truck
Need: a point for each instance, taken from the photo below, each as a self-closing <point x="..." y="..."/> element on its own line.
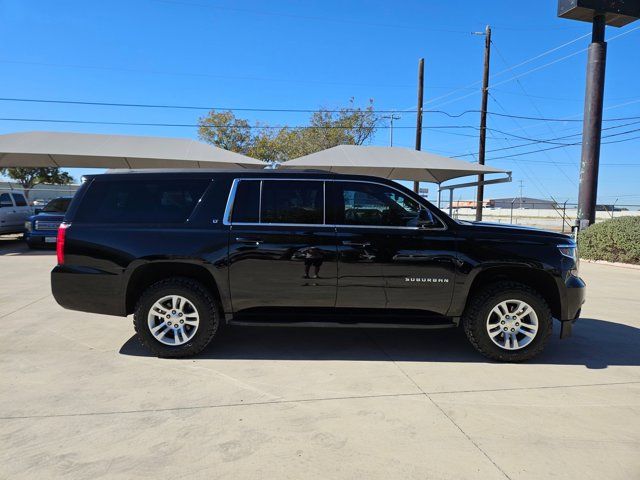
<point x="14" y="210"/>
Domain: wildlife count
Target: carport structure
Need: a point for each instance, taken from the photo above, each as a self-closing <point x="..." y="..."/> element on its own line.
<point x="89" y="150"/>
<point x="398" y="164"/>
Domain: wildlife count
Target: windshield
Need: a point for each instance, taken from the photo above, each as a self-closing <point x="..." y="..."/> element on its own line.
<point x="57" y="205"/>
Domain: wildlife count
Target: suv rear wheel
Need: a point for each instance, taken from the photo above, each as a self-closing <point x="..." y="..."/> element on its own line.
<point x="508" y="321"/>
<point x="176" y="317"/>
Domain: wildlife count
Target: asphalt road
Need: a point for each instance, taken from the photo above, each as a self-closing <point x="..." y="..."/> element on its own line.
<point x="81" y="399"/>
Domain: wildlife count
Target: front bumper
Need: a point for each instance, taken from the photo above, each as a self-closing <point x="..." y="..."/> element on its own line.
<point x="574" y="297"/>
<point x="41" y="238"/>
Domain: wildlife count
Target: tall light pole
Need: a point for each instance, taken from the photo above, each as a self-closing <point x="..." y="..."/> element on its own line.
<point x="600" y="13"/>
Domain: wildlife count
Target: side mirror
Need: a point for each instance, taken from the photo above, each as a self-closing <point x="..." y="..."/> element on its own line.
<point x="425" y="219"/>
<point x="37" y="210"/>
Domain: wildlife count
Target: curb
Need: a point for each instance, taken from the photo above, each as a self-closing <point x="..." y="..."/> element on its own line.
<point x="612" y="264"/>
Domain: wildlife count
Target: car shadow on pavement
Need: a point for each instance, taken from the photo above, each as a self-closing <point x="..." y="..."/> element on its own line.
<point x="15" y="245"/>
<point x="594" y="344"/>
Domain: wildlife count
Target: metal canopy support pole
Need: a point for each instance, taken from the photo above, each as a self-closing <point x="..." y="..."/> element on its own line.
<point x="450" y="202"/>
<point x="592" y="126"/>
<point x="451" y="188"/>
<point x="416" y="185"/>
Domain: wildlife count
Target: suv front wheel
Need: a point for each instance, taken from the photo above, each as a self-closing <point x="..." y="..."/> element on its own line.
<point x="508" y="321"/>
<point x="176" y="317"/>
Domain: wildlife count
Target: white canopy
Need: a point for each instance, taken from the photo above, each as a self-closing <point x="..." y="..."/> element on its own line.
<point x="390" y="162"/>
<point x="66" y="149"/>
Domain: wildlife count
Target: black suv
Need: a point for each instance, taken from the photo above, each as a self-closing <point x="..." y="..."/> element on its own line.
<point x="190" y="252"/>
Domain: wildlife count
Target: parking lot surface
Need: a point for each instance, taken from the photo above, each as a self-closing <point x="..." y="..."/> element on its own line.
<point x="81" y="399"/>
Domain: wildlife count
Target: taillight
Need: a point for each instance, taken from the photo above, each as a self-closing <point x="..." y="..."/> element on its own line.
<point x="62" y="233"/>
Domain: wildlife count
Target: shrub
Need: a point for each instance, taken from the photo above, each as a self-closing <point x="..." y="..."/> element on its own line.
<point x="615" y="240"/>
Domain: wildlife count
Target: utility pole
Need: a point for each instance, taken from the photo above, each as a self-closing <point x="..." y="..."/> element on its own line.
<point x="391" y="118"/>
<point x="416" y="185"/>
<point x="600" y="13"/>
<point x="483" y="120"/>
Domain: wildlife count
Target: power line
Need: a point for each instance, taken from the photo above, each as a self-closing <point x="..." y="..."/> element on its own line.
<point x="527" y="72"/>
<point x="477" y="83"/>
<point x="551" y="141"/>
<point x="571" y="145"/>
<point x="256" y="127"/>
<point x="519" y="82"/>
<point x="287" y="110"/>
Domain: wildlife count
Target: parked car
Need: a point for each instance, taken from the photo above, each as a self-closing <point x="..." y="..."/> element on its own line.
<point x="14" y="210"/>
<point x="41" y="229"/>
<point x="189" y="252"/>
<point x="38" y="204"/>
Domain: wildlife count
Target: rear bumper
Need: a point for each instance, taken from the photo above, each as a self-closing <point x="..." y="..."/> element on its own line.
<point x="88" y="290"/>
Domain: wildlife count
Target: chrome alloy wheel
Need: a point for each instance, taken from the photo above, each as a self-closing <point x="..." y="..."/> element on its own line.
<point x="512" y="324"/>
<point x="173" y="320"/>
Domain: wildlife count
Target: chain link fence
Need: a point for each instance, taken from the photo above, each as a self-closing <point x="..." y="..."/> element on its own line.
<point x="548" y="215"/>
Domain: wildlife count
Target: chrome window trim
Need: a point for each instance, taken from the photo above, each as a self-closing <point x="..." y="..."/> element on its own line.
<point x="232" y="193"/>
<point x="260" y="202"/>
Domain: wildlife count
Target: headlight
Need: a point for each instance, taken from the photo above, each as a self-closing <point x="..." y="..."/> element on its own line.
<point x="570" y="250"/>
<point x="27" y="226"/>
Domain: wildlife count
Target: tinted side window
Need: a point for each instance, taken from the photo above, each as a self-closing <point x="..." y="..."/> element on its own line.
<point x="292" y="201"/>
<point x="374" y="205"/>
<point x="57" y="205"/>
<point x="20" y="200"/>
<point x="5" y="199"/>
<point x="246" y="202"/>
<point x="141" y="201"/>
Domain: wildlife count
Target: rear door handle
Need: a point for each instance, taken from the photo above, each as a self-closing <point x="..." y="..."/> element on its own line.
<point x="252" y="241"/>
<point x="356" y="244"/>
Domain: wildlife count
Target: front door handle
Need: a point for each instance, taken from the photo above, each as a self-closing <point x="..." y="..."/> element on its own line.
<point x="251" y="241"/>
<point x="356" y="244"/>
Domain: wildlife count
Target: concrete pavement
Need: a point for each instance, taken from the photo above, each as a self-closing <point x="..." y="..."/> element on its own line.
<point x="81" y="399"/>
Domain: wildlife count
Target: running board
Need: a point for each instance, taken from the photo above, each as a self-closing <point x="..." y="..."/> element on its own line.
<point x="411" y="326"/>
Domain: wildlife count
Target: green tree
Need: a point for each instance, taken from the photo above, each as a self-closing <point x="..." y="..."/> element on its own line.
<point x="226" y="131"/>
<point x="30" y="177"/>
<point x="326" y="129"/>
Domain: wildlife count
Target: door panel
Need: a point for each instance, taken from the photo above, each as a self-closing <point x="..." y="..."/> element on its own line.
<point x="281" y="253"/>
<point x="9" y="214"/>
<point x="282" y="266"/>
<point x="420" y="270"/>
<point x="360" y="275"/>
<point x="388" y="258"/>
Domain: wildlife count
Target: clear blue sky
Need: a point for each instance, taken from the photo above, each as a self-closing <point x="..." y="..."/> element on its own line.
<point x="290" y="54"/>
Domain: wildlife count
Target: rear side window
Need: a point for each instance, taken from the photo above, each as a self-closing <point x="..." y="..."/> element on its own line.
<point x="292" y="202"/>
<point x="20" y="200"/>
<point x="246" y="204"/>
<point x="279" y="202"/>
<point x="141" y="201"/>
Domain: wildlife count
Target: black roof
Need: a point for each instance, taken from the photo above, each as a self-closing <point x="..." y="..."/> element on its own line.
<point x="237" y="172"/>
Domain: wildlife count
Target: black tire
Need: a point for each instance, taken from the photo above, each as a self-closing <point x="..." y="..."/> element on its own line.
<point x="199" y="296"/>
<point x="475" y="317"/>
